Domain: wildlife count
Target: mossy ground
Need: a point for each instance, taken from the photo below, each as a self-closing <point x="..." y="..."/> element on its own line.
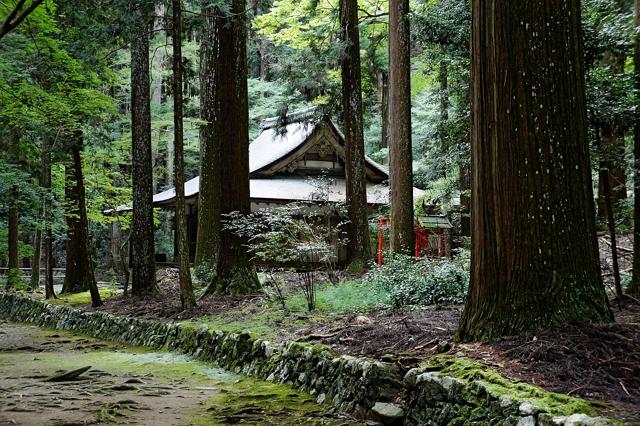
<point x="269" y="321"/>
<point x="166" y="389"/>
<point x="551" y="402"/>
<point x="258" y="402"/>
<point x="84" y="298"/>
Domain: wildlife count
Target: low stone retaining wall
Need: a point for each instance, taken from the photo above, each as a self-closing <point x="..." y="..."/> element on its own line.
<point x="362" y="387"/>
<point x="436" y="399"/>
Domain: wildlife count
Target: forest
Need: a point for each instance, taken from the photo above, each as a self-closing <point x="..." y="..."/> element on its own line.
<point x="438" y="198"/>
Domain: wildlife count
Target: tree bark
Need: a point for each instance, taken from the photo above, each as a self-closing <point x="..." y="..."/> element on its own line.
<point x="400" y="155"/>
<point x="142" y="227"/>
<point x="535" y="260"/>
<point x="611" y="149"/>
<point x="13" y="277"/>
<point x="235" y="273"/>
<point x="79" y="274"/>
<point x="17" y="15"/>
<point x="48" y="218"/>
<point x="611" y="226"/>
<point x="187" y="298"/>
<point x="383" y="82"/>
<point x="634" y="287"/>
<point x="35" y="264"/>
<point x="359" y="244"/>
<point x="443" y="77"/>
<point x="208" y="237"/>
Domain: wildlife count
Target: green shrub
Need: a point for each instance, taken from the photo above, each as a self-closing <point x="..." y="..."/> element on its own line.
<point x="420" y="282"/>
<point x="344" y="297"/>
<point x="14" y="279"/>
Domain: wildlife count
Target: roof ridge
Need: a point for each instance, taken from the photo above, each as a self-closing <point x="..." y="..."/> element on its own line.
<point x="290" y="117"/>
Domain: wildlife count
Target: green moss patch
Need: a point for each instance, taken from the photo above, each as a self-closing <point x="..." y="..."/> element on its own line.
<point x="258" y="402"/>
<point x="263" y="322"/>
<point x="551" y="402"/>
<point x="84" y="298"/>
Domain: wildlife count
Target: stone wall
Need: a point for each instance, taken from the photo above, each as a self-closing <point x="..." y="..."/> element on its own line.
<point x="436" y="399"/>
<point x="366" y="388"/>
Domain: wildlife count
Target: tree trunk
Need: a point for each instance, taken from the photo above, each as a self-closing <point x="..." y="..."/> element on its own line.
<point x="383" y="84"/>
<point x="208" y="236"/>
<point x="359" y="244"/>
<point x="142" y="227"/>
<point x="611" y="226"/>
<point x="187" y="298"/>
<point x="534" y="252"/>
<point x="634" y="287"/>
<point x="443" y="77"/>
<point x="235" y="273"/>
<point x="79" y="274"/>
<point x="48" y="218"/>
<point x="13" y="277"/>
<point x="611" y="149"/>
<point x="158" y="60"/>
<point x="256" y="54"/>
<point x="171" y="165"/>
<point x="400" y="155"/>
<point x="35" y="265"/>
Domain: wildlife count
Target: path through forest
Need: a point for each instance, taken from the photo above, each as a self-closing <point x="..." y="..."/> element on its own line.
<point x="127" y="385"/>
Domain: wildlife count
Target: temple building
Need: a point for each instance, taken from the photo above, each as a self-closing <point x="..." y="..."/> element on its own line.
<point x="285" y="162"/>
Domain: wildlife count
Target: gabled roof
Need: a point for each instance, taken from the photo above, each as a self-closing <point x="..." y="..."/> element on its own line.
<point x="278" y="144"/>
<point x="275" y="143"/>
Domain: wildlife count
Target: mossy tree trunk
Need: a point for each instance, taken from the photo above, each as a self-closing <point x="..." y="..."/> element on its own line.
<point x="13" y="277"/>
<point x="35" y="264"/>
<point x="142" y="228"/>
<point x="535" y="257"/>
<point x="48" y="218"/>
<point x="634" y="287"/>
<point x="359" y="244"/>
<point x="79" y="275"/>
<point x="235" y="274"/>
<point x="208" y="237"/>
<point x="400" y="155"/>
<point x="187" y="298"/>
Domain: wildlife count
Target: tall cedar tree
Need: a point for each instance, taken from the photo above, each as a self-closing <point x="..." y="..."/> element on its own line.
<point x="534" y="250"/>
<point x="187" y="298"/>
<point x="235" y="274"/>
<point x="359" y="244"/>
<point x="400" y="154"/>
<point x="208" y="238"/>
<point x="35" y="264"/>
<point x="142" y="228"/>
<point x="443" y="77"/>
<point x="79" y="274"/>
<point x="634" y="287"/>
<point x="12" y="237"/>
<point x="48" y="218"/>
<point x="605" y="184"/>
